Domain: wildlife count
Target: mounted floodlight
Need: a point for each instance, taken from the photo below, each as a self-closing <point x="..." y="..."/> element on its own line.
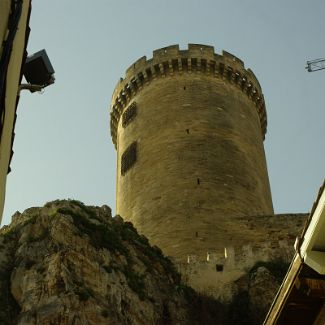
<point x="38" y="71"/>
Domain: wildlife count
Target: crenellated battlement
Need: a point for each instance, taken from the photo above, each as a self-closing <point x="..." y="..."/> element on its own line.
<point x="217" y="272"/>
<point x="244" y="256"/>
<point x="171" y="60"/>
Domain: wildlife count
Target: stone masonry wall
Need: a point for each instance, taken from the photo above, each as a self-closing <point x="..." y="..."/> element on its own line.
<point x="217" y="272"/>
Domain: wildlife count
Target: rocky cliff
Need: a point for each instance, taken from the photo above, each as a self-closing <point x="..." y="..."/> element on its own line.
<point x="67" y="263"/>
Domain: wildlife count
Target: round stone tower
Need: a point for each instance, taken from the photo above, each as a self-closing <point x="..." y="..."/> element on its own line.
<point x="189" y="126"/>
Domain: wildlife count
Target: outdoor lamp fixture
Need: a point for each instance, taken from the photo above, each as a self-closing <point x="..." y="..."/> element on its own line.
<point x="38" y="72"/>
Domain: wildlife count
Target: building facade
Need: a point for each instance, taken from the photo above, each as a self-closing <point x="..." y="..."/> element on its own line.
<point x="14" y="31"/>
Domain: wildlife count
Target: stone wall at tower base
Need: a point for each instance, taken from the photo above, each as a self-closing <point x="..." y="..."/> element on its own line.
<point x="223" y="273"/>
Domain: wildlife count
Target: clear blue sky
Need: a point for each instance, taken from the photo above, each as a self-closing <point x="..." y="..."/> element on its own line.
<point x="63" y="147"/>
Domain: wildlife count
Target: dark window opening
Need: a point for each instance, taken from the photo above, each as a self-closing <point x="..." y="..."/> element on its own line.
<point x="149" y="73"/>
<point x="157" y="69"/>
<point x="212" y="66"/>
<point x="196" y="234"/>
<point x="198" y="181"/>
<point x="194" y="63"/>
<point x="184" y="87"/>
<point x="237" y="76"/>
<point x="221" y="68"/>
<point x="141" y="77"/>
<point x="204" y="65"/>
<point x="188" y="131"/>
<point x="122" y="95"/>
<point x="128" y="158"/>
<point x="244" y="80"/>
<point x="175" y="64"/>
<point x="184" y="64"/>
<point x="129" y="114"/>
<point x="229" y="73"/>
<point x="166" y="66"/>
<point x="134" y="84"/>
<point x="219" y="267"/>
<point x="128" y="90"/>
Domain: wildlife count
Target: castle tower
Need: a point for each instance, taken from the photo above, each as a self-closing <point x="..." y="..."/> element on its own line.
<point x="189" y="126"/>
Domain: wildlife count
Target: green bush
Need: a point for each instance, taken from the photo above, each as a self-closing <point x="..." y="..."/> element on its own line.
<point x="9" y="307"/>
<point x="29" y="263"/>
<point x="239" y="310"/>
<point x="155" y="254"/>
<point x="41" y="269"/>
<point x="9" y="235"/>
<point x="42" y="236"/>
<point x="278" y="268"/>
<point x="101" y="236"/>
<point x="31" y="220"/>
<point x="84" y="293"/>
<point x="135" y="282"/>
<point x="204" y="309"/>
<point x="108" y="269"/>
<point x="104" y="313"/>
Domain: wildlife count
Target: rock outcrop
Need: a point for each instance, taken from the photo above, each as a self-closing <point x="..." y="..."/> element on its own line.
<point x="255" y="293"/>
<point x="67" y="263"/>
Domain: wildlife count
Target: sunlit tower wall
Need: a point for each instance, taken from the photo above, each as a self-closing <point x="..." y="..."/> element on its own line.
<point x="188" y="126"/>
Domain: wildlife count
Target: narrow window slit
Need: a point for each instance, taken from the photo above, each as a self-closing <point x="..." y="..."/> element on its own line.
<point x="141" y="78"/>
<point x="204" y="65"/>
<point x="157" y="69"/>
<point x="166" y="66"/>
<point x="128" y="90"/>
<point x="229" y="73"/>
<point x="194" y="63"/>
<point x="175" y="64"/>
<point x="213" y="66"/>
<point x="221" y="68"/>
<point x="149" y="73"/>
<point x="134" y="84"/>
<point x="184" y="64"/>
